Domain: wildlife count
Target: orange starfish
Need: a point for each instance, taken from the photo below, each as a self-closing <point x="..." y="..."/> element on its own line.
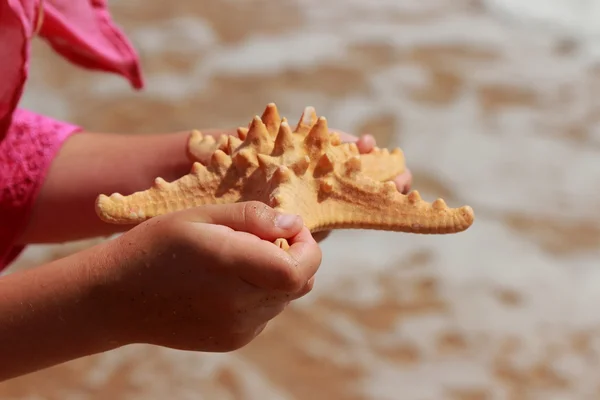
<point x="307" y="171"/>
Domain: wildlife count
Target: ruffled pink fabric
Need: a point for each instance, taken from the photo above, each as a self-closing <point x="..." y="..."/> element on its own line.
<point x="25" y="157"/>
<point x="81" y="31"/>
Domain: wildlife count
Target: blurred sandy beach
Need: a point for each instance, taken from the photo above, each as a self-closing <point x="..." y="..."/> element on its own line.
<point x="495" y="105"/>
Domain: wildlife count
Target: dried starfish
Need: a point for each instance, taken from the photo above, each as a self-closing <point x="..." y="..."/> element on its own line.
<point x="306" y="171"/>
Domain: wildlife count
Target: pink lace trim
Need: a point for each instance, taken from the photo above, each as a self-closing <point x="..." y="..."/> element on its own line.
<point x="26" y="154"/>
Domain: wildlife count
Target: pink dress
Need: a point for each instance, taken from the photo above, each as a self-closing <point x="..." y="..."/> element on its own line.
<point x="81" y="31"/>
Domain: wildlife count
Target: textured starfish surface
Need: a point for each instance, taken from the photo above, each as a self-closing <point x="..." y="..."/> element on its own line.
<point x="379" y="164"/>
<point x="307" y="171"/>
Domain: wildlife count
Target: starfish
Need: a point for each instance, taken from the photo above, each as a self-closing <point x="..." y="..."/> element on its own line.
<point x="307" y="171"/>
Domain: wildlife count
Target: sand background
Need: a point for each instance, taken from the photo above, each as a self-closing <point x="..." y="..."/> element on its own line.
<point x="495" y="105"/>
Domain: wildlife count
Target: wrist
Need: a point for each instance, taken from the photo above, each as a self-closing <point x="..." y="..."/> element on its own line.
<point x="109" y="316"/>
<point x="92" y="273"/>
<point x="55" y="313"/>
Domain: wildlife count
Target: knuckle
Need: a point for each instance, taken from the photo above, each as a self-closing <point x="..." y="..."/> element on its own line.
<point x="277" y="309"/>
<point x="173" y="235"/>
<point x="167" y="227"/>
<point x="289" y="278"/>
<point x="236" y="341"/>
<point x="317" y="256"/>
<point x="308" y="287"/>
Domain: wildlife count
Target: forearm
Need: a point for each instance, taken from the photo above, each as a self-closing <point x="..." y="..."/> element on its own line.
<point x="89" y="164"/>
<point x="53" y="314"/>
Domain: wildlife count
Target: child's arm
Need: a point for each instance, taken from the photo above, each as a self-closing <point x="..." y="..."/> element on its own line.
<point x="200" y="280"/>
<point x="51" y="314"/>
<point x="92" y="163"/>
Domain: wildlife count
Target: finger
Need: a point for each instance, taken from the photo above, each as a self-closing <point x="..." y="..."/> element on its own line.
<point x="258" y="262"/>
<point x="272" y="305"/>
<point x="253" y="217"/>
<point x="256" y="323"/>
<point x="404" y="181"/>
<point x="294" y="268"/>
<point x="260" y="329"/>
<point x="306" y="253"/>
<point x="266" y="313"/>
<point x="274" y="298"/>
<point x="365" y="144"/>
<point x="308" y="287"/>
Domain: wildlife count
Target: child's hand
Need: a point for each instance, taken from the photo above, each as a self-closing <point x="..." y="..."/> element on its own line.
<point x="209" y="278"/>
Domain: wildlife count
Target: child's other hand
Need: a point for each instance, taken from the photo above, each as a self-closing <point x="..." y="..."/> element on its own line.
<point x="208" y="278"/>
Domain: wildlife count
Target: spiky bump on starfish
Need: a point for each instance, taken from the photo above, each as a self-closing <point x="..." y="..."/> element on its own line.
<point x="379" y="164"/>
<point x="306" y="172"/>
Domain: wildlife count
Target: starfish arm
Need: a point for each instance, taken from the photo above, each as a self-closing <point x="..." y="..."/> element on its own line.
<point x="382" y="165"/>
<point x="360" y="203"/>
<point x="200" y="187"/>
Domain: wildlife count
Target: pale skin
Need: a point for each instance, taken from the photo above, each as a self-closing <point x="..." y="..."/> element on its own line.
<point x="205" y="279"/>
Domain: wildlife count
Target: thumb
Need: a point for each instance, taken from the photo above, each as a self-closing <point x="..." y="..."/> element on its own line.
<point x="252" y="217"/>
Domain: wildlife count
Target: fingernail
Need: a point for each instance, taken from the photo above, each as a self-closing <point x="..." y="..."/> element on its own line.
<point x="286" y="221"/>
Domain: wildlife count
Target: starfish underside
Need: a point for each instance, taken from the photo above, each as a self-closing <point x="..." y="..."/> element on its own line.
<point x="307" y="171"/>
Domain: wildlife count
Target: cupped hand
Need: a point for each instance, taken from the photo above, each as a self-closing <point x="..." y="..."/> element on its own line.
<point x="209" y="278"/>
